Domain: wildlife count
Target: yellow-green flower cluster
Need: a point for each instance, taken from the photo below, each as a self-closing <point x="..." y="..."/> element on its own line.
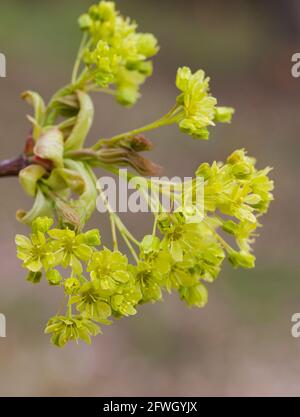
<point x="64" y="329"/>
<point x="242" y="193"/>
<point x="187" y="246"/>
<point x="116" y="53"/>
<point x="186" y="253"/>
<point x="198" y="109"/>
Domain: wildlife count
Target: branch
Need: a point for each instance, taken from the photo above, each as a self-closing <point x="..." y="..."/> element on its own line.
<point x="12" y="167"/>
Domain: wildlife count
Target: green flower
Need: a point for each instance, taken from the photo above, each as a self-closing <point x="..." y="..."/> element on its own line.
<point x="208" y="259"/>
<point x="195" y="295"/>
<point x="153" y="270"/>
<point x="187" y="246"/>
<point x="196" y="109"/>
<point x="262" y="186"/>
<point x="180" y="237"/>
<point x="236" y="188"/>
<point x="243" y="232"/>
<point x="223" y="114"/>
<point x="123" y="304"/>
<point x="109" y="270"/>
<point x="65" y="329"/>
<point x="72" y="286"/>
<point x="149" y="282"/>
<point x="42" y="224"/>
<point x="53" y="277"/>
<point x="201" y="263"/>
<point x="106" y="61"/>
<point x="34" y="252"/>
<point x="70" y="248"/>
<point x="91" y="303"/>
<point x="181" y="274"/>
<point x="116" y="53"/>
<point x="198" y="106"/>
<point x="128" y="85"/>
<point x="243" y="259"/>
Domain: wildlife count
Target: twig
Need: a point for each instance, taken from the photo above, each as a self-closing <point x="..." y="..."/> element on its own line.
<point x="12" y="167"/>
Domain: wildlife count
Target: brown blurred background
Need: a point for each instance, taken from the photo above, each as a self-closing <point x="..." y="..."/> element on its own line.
<point x="241" y="342"/>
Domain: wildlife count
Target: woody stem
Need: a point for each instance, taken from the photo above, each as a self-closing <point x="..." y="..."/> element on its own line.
<point x="12" y="167"/>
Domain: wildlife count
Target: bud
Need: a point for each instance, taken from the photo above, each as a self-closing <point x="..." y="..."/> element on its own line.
<point x="243" y="259"/>
<point x="196" y="295"/>
<point x="72" y="286"/>
<point x="42" y="224"/>
<point x="85" y="21"/>
<point x="67" y="214"/>
<point x="34" y="277"/>
<point x="29" y="145"/>
<point x="92" y="237"/>
<point x="150" y="244"/>
<point x="165" y="223"/>
<point x="53" y="277"/>
<point x="204" y="171"/>
<point x="230" y="227"/>
<point x="223" y="114"/>
<point x="138" y="143"/>
<point x="143" y="165"/>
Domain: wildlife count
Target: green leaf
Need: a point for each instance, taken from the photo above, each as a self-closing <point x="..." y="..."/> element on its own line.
<point x="86" y="203"/>
<point x="41" y="207"/>
<point x="83" y="123"/>
<point x="63" y="178"/>
<point x="29" y="178"/>
<point x="38" y="104"/>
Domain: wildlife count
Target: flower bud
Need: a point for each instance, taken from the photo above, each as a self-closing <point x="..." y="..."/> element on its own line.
<point x="138" y="143"/>
<point x="92" y="237"/>
<point x="42" y="224"/>
<point x="85" y="21"/>
<point x="243" y="259"/>
<point x="223" y="114"/>
<point x="72" y="286"/>
<point x="150" y="244"/>
<point x="53" y="277"/>
<point x="34" y="277"/>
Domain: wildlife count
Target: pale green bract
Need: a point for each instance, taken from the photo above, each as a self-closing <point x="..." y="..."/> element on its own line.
<point x="185" y="251"/>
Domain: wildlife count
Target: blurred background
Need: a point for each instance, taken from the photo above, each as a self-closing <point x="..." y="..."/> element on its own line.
<point x="241" y="342"/>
